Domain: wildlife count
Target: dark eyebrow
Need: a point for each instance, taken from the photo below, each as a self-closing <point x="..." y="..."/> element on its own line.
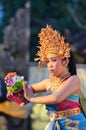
<point x="52" y="58"/>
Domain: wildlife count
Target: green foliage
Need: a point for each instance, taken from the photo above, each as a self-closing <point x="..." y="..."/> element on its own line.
<point x="15" y="87"/>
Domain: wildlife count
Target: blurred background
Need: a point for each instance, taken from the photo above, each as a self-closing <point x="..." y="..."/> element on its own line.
<point x="20" y="23"/>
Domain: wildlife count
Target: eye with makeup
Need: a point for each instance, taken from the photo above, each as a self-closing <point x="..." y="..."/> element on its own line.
<point x="54" y="59"/>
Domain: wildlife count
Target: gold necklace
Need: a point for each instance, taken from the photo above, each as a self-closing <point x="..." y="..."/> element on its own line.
<point x="55" y="82"/>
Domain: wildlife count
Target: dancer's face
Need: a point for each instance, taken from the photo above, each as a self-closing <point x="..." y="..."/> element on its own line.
<point x="55" y="65"/>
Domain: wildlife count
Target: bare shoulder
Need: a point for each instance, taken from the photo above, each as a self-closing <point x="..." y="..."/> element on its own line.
<point x="72" y="85"/>
<point x="74" y="82"/>
<point x="74" y="78"/>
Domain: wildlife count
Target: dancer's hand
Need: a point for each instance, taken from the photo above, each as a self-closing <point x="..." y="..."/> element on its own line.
<point x="9" y="95"/>
<point x="28" y="93"/>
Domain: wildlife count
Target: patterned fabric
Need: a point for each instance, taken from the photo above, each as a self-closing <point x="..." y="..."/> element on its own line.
<point x="75" y="122"/>
<point x="66" y="104"/>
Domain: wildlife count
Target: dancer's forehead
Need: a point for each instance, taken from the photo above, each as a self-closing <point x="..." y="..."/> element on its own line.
<point x="52" y="55"/>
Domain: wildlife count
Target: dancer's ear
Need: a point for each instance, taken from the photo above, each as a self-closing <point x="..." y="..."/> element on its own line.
<point x="65" y="62"/>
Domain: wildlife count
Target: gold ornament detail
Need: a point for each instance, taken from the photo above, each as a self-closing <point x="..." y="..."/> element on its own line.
<point x="50" y="41"/>
<point x="55" y="82"/>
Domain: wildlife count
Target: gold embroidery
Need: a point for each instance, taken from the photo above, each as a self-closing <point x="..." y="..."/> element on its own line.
<point x="72" y="124"/>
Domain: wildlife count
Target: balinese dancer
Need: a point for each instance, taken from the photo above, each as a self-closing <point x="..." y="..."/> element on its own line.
<point x="63" y="85"/>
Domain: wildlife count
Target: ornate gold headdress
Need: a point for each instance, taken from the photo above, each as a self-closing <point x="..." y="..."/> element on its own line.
<point x="51" y="42"/>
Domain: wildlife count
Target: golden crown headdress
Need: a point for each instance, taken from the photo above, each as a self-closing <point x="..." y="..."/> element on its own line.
<point x="50" y="41"/>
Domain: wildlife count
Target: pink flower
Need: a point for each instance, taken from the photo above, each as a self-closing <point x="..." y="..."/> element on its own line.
<point x="9" y="82"/>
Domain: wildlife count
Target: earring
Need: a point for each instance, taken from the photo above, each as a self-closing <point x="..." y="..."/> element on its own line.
<point x="65" y="65"/>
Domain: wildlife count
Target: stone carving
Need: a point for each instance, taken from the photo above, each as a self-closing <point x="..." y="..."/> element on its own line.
<point x="14" y="52"/>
